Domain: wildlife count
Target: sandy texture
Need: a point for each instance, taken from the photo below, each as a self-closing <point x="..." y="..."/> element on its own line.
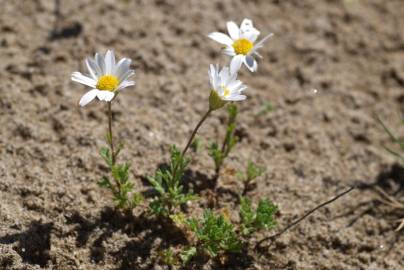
<point x="329" y="68"/>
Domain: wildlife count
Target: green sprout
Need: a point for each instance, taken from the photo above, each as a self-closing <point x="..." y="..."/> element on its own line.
<point x="167" y="182"/>
<point x="248" y="178"/>
<point x="217" y="235"/>
<point x="168" y="257"/>
<point x="399" y="142"/>
<point x="265" y="108"/>
<point x="219" y="154"/>
<point x="196" y="145"/>
<point x="262" y="218"/>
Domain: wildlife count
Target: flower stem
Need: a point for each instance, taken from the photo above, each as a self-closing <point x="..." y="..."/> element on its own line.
<point x="110" y="138"/>
<point x="111" y="142"/>
<point x="195" y="131"/>
<point x="192" y="138"/>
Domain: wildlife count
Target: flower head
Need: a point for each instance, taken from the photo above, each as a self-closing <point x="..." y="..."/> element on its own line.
<point x="225" y="87"/>
<point x="106" y="77"/>
<point x="240" y="44"/>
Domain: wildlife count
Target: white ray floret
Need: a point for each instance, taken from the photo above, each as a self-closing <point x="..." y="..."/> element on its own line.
<point x="225" y="84"/>
<point x="240" y="44"/>
<point x="106" y="77"/>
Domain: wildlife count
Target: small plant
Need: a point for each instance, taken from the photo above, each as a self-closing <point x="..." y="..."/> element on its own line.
<point x="197" y="145"/>
<point x="216" y="235"/>
<point x="265" y="108"/>
<point x="395" y="140"/>
<point x="107" y="78"/>
<point x="220" y="153"/>
<point x="248" y="178"/>
<point x="167" y="182"/>
<point x="169" y="257"/>
<point x="262" y="218"/>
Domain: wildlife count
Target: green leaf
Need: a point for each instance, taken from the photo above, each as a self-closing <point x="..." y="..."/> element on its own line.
<point x="105" y="183"/>
<point x="196" y="145"/>
<point x="137" y="198"/>
<point x="266" y="108"/>
<point x="265" y="214"/>
<point x="215" y="234"/>
<point x="169" y="187"/>
<point x="253" y="171"/>
<point x="105" y="154"/>
<point x="187" y="254"/>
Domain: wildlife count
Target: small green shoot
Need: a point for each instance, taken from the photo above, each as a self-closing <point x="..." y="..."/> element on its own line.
<point x="265" y="109"/>
<point x="171" y="193"/>
<point x="219" y="154"/>
<point x="196" y="145"/>
<point x="215" y="234"/>
<point x="394" y="139"/>
<point x="168" y="257"/>
<point x="248" y="178"/>
<point x="262" y="218"/>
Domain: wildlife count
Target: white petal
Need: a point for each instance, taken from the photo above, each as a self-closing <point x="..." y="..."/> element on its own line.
<point x="100" y="62"/>
<point x="236" y="62"/>
<point x="224" y="76"/>
<point x="261" y="42"/>
<point x="88" y="97"/>
<point x="233" y="30"/>
<point x="126" y="75"/>
<point x="93" y="68"/>
<point x="236" y="98"/>
<point x="80" y="78"/>
<point x="250" y="35"/>
<point x="250" y="63"/>
<point x="229" y="50"/>
<point x="212" y="77"/>
<point x="122" y="67"/>
<point x="109" y="62"/>
<point x="126" y="84"/>
<point x="246" y="25"/>
<point x="234" y="85"/>
<point x="221" y="38"/>
<point x="105" y="95"/>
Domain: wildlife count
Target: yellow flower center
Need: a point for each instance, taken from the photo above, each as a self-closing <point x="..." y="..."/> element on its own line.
<point x="242" y="46"/>
<point x="226" y="92"/>
<point x="108" y="82"/>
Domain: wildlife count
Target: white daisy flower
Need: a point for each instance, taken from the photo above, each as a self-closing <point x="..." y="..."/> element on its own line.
<point x="240" y="44"/>
<point x="106" y="77"/>
<point x="225" y="87"/>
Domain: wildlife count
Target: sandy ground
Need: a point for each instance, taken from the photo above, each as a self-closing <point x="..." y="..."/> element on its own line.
<point x="331" y="66"/>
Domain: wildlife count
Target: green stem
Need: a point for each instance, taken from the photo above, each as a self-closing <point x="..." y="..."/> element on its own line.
<point x="110" y="138"/>
<point x="111" y="143"/>
<point x="195" y="131"/>
<point x="192" y="138"/>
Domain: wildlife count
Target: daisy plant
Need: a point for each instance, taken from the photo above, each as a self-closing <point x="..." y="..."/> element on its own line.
<point x="216" y="235"/>
<point x="106" y="79"/>
<point x="240" y="44"/>
<point x="167" y="181"/>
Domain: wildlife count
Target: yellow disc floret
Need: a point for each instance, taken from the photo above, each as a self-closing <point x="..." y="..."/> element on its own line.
<point x="108" y="82"/>
<point x="242" y="46"/>
<point x="226" y="92"/>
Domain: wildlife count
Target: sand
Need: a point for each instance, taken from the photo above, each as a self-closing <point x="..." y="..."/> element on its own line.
<point x="329" y="69"/>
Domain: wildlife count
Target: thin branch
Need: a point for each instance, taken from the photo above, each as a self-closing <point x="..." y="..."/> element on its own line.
<point x="288" y="227"/>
